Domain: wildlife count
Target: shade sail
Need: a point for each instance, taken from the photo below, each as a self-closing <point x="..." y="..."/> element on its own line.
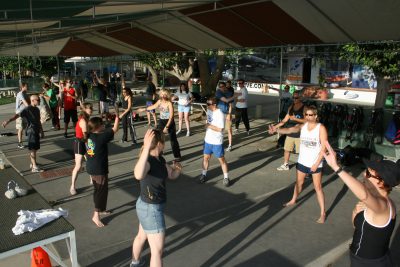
<point x="108" y="28"/>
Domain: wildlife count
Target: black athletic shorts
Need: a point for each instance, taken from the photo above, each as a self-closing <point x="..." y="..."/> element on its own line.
<point x="79" y="147"/>
<point x="71" y="114"/>
<point x="33" y="138"/>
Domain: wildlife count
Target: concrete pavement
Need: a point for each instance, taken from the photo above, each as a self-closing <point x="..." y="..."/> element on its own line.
<point x="207" y="224"/>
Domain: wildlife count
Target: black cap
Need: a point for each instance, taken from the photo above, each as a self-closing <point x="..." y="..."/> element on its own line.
<point x="387" y="170"/>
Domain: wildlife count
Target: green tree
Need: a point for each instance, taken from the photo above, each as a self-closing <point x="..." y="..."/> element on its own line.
<point x="382" y="58"/>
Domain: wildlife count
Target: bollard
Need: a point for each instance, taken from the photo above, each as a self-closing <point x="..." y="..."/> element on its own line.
<point x="258" y="112"/>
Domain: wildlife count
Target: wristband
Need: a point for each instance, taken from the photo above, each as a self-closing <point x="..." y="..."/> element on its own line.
<point x="339" y="170"/>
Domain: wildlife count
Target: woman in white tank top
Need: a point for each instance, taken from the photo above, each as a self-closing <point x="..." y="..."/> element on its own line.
<point x="313" y="137"/>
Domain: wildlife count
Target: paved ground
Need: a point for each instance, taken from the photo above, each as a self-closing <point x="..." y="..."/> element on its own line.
<point x="208" y="224"/>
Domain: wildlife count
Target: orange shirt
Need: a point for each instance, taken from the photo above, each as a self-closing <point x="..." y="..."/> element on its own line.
<point x="69" y="101"/>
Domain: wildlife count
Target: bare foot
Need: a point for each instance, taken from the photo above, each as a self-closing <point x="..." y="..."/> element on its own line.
<point x="106" y="212"/>
<point x="98" y="222"/>
<point x="72" y="191"/>
<point x="321" y="219"/>
<point x="290" y="203"/>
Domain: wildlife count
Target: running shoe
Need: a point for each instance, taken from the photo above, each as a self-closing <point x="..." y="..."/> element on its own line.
<point x="226" y="182"/>
<point x="202" y="179"/>
<point x="137" y="264"/>
<point x="229" y="148"/>
<point x="20" y="145"/>
<point x="283" y="167"/>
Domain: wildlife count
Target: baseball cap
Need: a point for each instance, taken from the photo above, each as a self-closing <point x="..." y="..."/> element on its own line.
<point x="388" y="170"/>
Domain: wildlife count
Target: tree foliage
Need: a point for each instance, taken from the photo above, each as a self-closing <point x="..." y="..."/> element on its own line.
<point x="382" y="58"/>
<point x="43" y="66"/>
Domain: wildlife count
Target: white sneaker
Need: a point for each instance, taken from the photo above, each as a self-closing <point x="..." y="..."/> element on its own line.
<point x="236" y="131"/>
<point x="188" y="133"/>
<point x="283" y="167"/>
<point x="229" y="148"/>
<point x="179" y="131"/>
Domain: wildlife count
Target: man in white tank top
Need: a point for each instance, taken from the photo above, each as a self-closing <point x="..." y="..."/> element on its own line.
<point x="313" y="137"/>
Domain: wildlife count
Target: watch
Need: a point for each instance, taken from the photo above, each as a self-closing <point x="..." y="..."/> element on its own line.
<point x="339" y="170"/>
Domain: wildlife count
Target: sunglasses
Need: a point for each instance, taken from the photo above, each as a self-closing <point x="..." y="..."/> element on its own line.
<point x="310" y="115"/>
<point x="369" y="175"/>
<point x="296" y="97"/>
<point x="210" y="104"/>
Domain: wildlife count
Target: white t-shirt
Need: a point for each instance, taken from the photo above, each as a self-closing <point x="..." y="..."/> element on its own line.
<point x="19" y="104"/>
<point x="310" y="146"/>
<point x="244" y="95"/>
<point x="184" y="98"/>
<point x="216" y="118"/>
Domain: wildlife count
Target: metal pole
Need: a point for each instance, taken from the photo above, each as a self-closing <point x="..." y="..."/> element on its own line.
<point x="163" y="75"/>
<point x="19" y="71"/>
<point x="4" y="76"/>
<point x="280" y="82"/>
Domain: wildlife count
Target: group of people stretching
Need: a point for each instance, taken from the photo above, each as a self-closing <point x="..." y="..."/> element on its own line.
<point x="373" y="217"/>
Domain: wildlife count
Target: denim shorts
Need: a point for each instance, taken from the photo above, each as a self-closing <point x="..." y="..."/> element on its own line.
<point x="217" y="150"/>
<point x="151" y="216"/>
<point x="307" y="170"/>
<point x="148" y="104"/>
<point x="183" y="108"/>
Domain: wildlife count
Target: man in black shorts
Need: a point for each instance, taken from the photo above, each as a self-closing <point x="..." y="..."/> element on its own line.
<point x="34" y="129"/>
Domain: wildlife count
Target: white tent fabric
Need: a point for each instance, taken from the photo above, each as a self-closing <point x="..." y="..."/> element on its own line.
<point x="87" y="28"/>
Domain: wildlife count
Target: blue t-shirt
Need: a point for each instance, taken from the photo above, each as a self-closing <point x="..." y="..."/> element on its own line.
<point x="223" y="106"/>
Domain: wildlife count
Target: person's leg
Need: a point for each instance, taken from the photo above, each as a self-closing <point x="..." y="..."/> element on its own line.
<point x="124" y="128"/>
<point x="174" y="141"/>
<point x="317" y="178"/>
<point x="180" y="115"/>
<point x="224" y="166"/>
<point x="67" y="117"/>
<point x="138" y="244"/>
<point x="19" y="133"/>
<point x="100" y="184"/>
<point x="288" y="148"/>
<point x="156" y="243"/>
<point x="245" y="118"/>
<point x="187" y="122"/>
<point x="75" y="171"/>
<point x="131" y="127"/>
<point x="229" y="133"/>
<point x="206" y="159"/>
<point x="154" y="118"/>
<point x="298" y="187"/>
<point x="32" y="156"/>
<point x="148" y="118"/>
<point x="238" y="117"/>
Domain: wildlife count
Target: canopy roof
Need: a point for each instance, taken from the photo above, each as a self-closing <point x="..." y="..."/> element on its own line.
<point x="118" y="27"/>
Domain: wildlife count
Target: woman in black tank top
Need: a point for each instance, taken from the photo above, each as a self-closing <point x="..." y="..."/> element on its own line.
<point x="374" y="216"/>
<point x="126" y="116"/>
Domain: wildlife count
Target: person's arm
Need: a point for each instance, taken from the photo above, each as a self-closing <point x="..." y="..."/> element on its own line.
<point x="282" y="122"/>
<point x="154" y="106"/>
<point x="294" y="129"/>
<point x="323" y="136"/>
<point x="174" y="171"/>
<point x="116" y="121"/>
<point x="97" y="78"/>
<point x="219" y="121"/>
<point x="142" y="166"/>
<point x="374" y="202"/>
<point x="191" y="98"/>
<point x="13" y="118"/>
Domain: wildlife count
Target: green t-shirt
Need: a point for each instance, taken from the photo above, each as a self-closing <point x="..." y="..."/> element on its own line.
<point x="53" y="98"/>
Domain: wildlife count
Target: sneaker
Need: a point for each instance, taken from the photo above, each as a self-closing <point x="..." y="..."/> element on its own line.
<point x="20" y="145"/>
<point x="283" y="167"/>
<point x="65" y="135"/>
<point x="179" y="131"/>
<point x="188" y="133"/>
<point x="37" y="169"/>
<point x="138" y="264"/>
<point x="248" y="133"/>
<point x="229" y="148"/>
<point x="236" y="131"/>
<point x="226" y="182"/>
<point x="202" y="179"/>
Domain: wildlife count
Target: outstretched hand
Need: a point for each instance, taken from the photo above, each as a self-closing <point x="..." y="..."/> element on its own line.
<point x="271" y="129"/>
<point x="330" y="156"/>
<point x="148" y="139"/>
<point x="4" y="124"/>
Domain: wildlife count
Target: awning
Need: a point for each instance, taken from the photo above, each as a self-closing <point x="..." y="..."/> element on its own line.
<point x="109" y="28"/>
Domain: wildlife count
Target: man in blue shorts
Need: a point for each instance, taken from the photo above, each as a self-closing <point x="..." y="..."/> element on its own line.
<point x="213" y="141"/>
